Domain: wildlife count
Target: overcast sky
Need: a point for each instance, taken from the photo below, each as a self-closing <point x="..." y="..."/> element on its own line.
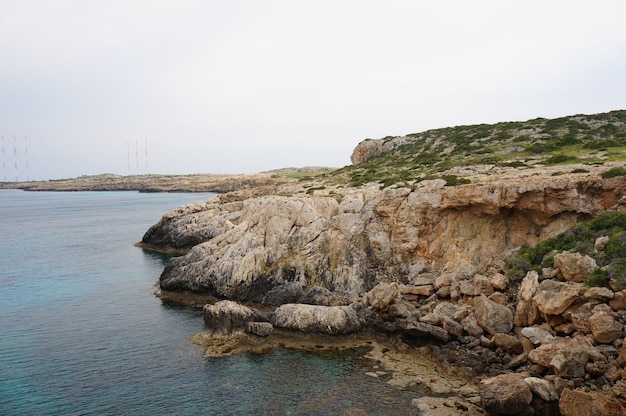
<point x="242" y="86"/>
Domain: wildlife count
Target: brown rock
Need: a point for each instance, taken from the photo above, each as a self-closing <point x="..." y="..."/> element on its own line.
<point x="566" y="358"/>
<point x="506" y="394"/>
<point x="598" y="294"/>
<point x="529" y="286"/>
<point x="508" y="343"/>
<point x="618" y="303"/>
<point x="499" y="281"/>
<point x="574" y="267"/>
<point x="526" y="313"/>
<point x="580" y="403"/>
<point x="553" y="298"/>
<point x="422" y="290"/>
<point x="470" y="325"/>
<point x="482" y="285"/>
<point x="382" y="295"/>
<point x="491" y="316"/>
<point x="605" y="328"/>
<point x="542" y="388"/>
<point x="499" y="297"/>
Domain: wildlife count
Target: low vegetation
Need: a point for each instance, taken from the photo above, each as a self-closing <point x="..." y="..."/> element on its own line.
<point x="611" y="258"/>
<point x="586" y="139"/>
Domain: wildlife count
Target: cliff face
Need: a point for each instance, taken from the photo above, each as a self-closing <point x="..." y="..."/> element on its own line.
<point x="348" y="240"/>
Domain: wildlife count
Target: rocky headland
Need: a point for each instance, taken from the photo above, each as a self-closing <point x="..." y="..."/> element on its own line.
<point x="419" y="273"/>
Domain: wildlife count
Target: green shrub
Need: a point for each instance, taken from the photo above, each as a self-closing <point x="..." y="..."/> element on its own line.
<point x="598" y="278"/>
<point x="453" y="180"/>
<point x="613" y="172"/>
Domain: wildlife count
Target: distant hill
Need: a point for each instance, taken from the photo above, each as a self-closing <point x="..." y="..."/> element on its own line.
<point x="579" y="139"/>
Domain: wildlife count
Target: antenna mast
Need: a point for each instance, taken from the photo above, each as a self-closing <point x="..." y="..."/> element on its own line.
<point x="26" y="159"/>
<point x="15" y="157"/>
<point x="4" y="165"/>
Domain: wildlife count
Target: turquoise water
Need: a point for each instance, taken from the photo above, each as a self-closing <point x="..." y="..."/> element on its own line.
<point x="81" y="332"/>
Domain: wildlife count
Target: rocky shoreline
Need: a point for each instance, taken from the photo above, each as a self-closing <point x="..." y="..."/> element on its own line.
<point x="417" y="273"/>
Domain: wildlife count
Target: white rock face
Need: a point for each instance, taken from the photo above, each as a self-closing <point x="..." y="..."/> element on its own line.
<point x="355" y="238"/>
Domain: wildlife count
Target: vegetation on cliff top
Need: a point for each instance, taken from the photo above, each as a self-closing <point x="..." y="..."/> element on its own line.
<point x="588" y="139"/>
<point x="611" y="259"/>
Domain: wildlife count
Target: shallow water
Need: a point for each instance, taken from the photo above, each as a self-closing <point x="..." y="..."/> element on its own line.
<point x="82" y="333"/>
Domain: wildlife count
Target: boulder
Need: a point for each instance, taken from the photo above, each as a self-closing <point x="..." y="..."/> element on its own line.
<point x="553" y="297"/>
<point x="526" y="313"/>
<point x="381" y="295"/>
<point x="316" y="318"/>
<point x="567" y="358"/>
<point x="482" y="285"/>
<point x="286" y="293"/>
<point x="598" y="294"/>
<point x="605" y="328"/>
<point x="262" y="329"/>
<point x="529" y="286"/>
<point x="499" y="281"/>
<point x="581" y="403"/>
<point x="227" y="317"/>
<point x="470" y="325"/>
<point x="538" y="336"/>
<point x="574" y="267"/>
<point x="506" y="394"/>
<point x="618" y="303"/>
<point x="416" y="329"/>
<point x="508" y="343"/>
<point x="542" y="388"/>
<point x="319" y="295"/>
<point x="491" y="316"/>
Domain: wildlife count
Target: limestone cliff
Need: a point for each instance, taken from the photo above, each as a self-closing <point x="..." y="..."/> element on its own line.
<point x="350" y="239"/>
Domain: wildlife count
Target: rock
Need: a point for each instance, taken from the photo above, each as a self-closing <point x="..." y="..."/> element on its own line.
<point x="445" y="406"/>
<point x="579" y="315"/>
<point x="538" y="336"/>
<point x="227" y="317"/>
<point x="500" y="298"/>
<point x="319" y="295"/>
<point x="423" y="330"/>
<point x="287" y="293"/>
<point x="605" y="328"/>
<point x="470" y="325"/>
<point x="542" y="388"/>
<point x="526" y="313"/>
<point x="598" y="294"/>
<point x="508" y="343"/>
<point x="618" y="303"/>
<point x="402" y="309"/>
<point x="422" y="290"/>
<point x="506" y="394"/>
<point x="529" y="286"/>
<point x="443" y="280"/>
<point x="491" y="316"/>
<point x="567" y="358"/>
<point x="580" y="403"/>
<point x="482" y="285"/>
<point x="600" y="243"/>
<point x="574" y="267"/>
<point x="499" y="282"/>
<point x="315" y="318"/>
<point x="382" y="295"/>
<point x="262" y="329"/>
<point x="553" y="298"/>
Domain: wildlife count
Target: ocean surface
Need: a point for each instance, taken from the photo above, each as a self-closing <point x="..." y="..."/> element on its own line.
<point x="81" y="332"/>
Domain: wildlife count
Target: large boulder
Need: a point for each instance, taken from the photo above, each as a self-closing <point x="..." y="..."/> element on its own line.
<point x="574" y="267"/>
<point x="491" y="316"/>
<point x="605" y="328"/>
<point x="553" y="297"/>
<point x="506" y="394"/>
<point x="316" y="318"/>
<point x="227" y="317"/>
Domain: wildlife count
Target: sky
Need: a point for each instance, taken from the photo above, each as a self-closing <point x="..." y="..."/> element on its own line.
<point x="244" y="86"/>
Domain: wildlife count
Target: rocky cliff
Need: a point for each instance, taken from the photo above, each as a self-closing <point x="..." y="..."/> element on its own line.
<point x="348" y="240"/>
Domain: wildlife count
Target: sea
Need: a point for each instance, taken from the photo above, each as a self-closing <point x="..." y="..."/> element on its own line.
<point x="82" y="332"/>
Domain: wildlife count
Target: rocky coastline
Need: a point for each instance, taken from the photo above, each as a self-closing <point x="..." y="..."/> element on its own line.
<point x="419" y="274"/>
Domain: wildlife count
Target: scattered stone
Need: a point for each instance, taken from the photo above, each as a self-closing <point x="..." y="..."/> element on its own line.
<point x="553" y="298"/>
<point x="491" y="316"/>
<point x="605" y="328"/>
<point x="506" y="394"/>
<point x="542" y="388"/>
<point x="574" y="267"/>
<point x="538" y="335"/>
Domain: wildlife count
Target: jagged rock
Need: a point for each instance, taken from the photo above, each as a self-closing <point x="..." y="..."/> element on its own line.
<point x="470" y="325"/>
<point x="538" y="336"/>
<point x="579" y="315"/>
<point x="262" y="329"/>
<point x="421" y="290"/>
<point x="416" y="329"/>
<point x="500" y="298"/>
<point x="580" y="403"/>
<point x="287" y="293"/>
<point x="315" y="318"/>
<point x="402" y="309"/>
<point x="605" y="328"/>
<point x="491" y="316"/>
<point x="600" y="243"/>
<point x="553" y="298"/>
<point x="566" y="358"/>
<point x="618" y="303"/>
<point x="506" y="394"/>
<point x="526" y="313"/>
<point x="443" y="280"/>
<point x="227" y="317"/>
<point x="542" y="388"/>
<point x="509" y="343"/>
<point x="598" y="294"/>
<point x="319" y="295"/>
<point x="482" y="285"/>
<point x="381" y="296"/>
<point x="499" y="281"/>
<point x="529" y="286"/>
<point x="574" y="267"/>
